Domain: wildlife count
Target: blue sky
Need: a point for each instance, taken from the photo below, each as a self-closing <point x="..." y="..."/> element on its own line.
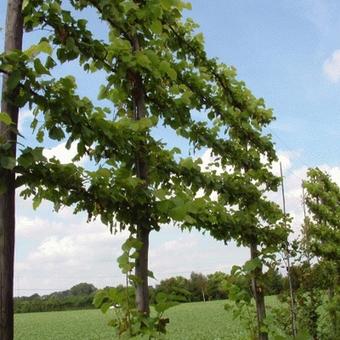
<point x="279" y="48"/>
<point x="286" y="52"/>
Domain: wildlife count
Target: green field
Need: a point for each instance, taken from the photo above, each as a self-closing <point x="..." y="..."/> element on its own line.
<point x="187" y="321"/>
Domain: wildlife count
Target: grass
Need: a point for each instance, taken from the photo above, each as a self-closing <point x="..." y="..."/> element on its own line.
<point x="191" y="321"/>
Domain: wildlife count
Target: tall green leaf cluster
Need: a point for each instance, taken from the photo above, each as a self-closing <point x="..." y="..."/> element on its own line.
<point x="321" y="241"/>
<point x="323" y="202"/>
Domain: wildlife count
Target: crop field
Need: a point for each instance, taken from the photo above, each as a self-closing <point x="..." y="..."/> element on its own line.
<point x="187" y="321"/>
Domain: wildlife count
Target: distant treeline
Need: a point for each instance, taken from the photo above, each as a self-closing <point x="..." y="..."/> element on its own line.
<point x="197" y="287"/>
<point x="78" y="297"/>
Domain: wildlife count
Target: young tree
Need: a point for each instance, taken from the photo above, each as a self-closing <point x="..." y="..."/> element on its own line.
<point x="198" y="285"/>
<point x="322" y="232"/>
<point x="8" y="136"/>
<point x="216" y="286"/>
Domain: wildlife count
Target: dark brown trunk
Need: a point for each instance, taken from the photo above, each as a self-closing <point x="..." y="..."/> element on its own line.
<point x="143" y="228"/>
<point x="13" y="40"/>
<point x="141" y="271"/>
<point x="258" y="293"/>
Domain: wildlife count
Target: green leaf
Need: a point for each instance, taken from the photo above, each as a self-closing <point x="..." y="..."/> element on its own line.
<point x="151" y="274"/>
<point x="38" y="154"/>
<point x="43" y="47"/>
<point x="50" y="62"/>
<point x="68" y="82"/>
<point x="178" y="213"/>
<point x="156" y="27"/>
<point x="25" y="3"/>
<point x="99" y="298"/>
<point x="36" y="202"/>
<point x="187" y="163"/>
<point x="5" y="118"/>
<point x="56" y="133"/>
<point x="132" y="243"/>
<point x="13" y="80"/>
<point x="105" y="307"/>
<point x="40" y="136"/>
<point x="166" y="4"/>
<point x="172" y="74"/>
<point x="124" y="263"/>
<point x="25" y="160"/>
<point x="251" y="265"/>
<point x="143" y="60"/>
<point x="104" y="172"/>
<point x="40" y="68"/>
<point x="129" y="5"/>
<point x="166" y="68"/>
<point x="7" y="162"/>
<point x="102" y="92"/>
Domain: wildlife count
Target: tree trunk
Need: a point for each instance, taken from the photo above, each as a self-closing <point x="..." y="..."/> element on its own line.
<point x="203" y="295"/>
<point x="258" y="293"/>
<point x="141" y="271"/>
<point x="13" y="40"/>
<point x="143" y="228"/>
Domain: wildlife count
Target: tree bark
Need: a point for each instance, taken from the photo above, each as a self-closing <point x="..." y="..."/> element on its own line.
<point x="258" y="294"/>
<point x="143" y="228"/>
<point x="141" y="271"/>
<point x="13" y="40"/>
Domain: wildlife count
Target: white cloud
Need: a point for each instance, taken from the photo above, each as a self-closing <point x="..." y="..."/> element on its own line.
<point x="24" y="117"/>
<point x="27" y="227"/>
<point x="286" y="158"/>
<point x="64" y="250"/>
<point x="331" y="67"/>
<point x="62" y="154"/>
<point x="192" y="251"/>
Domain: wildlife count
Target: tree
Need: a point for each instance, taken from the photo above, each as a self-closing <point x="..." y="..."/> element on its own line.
<point x="198" y="285"/>
<point x="158" y="73"/>
<point x="83" y="289"/>
<point x="322" y="232"/>
<point x="8" y="136"/>
<point x="216" y="286"/>
<point x="176" y="286"/>
<point x="273" y="282"/>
